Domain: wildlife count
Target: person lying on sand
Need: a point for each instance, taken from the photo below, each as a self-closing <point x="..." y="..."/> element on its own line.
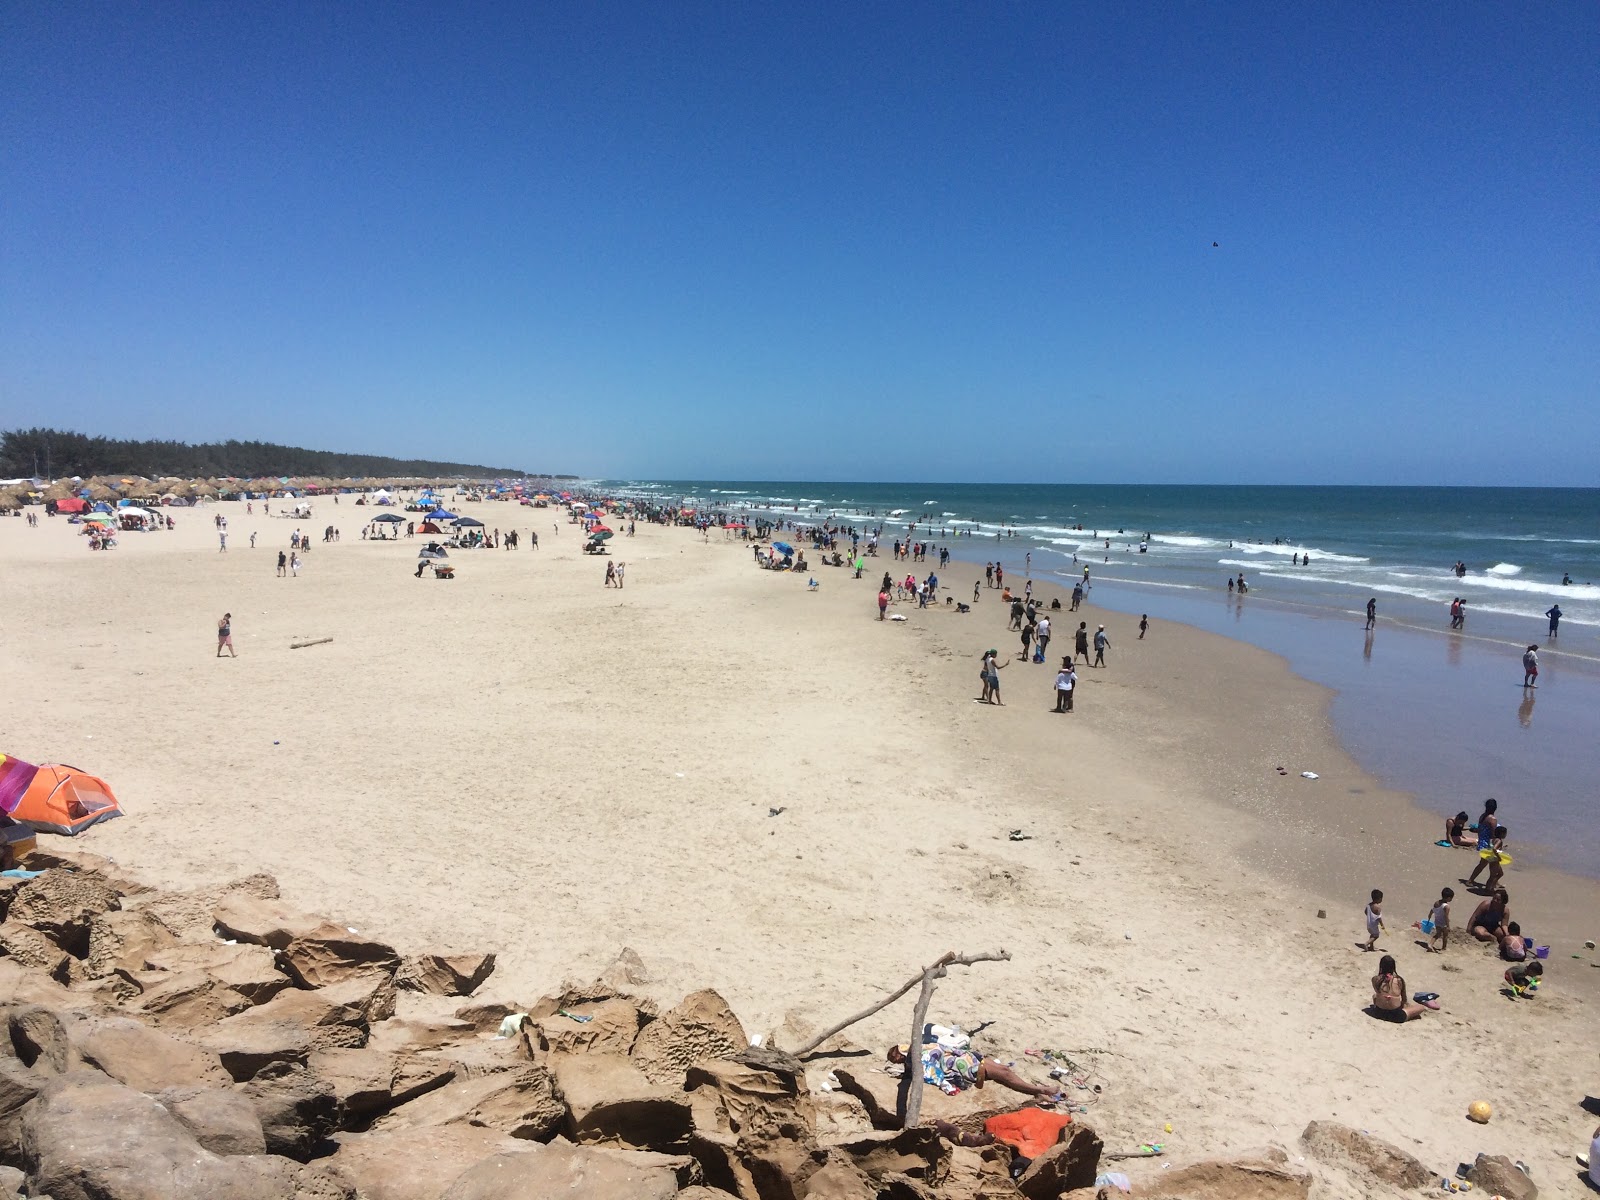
<point x="953" y="1071"/>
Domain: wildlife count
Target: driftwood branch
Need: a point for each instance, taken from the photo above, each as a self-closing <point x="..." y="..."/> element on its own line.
<point x="909" y="1103"/>
<point x="303" y="645"/>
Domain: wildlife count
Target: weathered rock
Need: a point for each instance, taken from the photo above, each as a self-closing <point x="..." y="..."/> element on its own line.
<point x="444" y="974"/>
<point x="60" y="904"/>
<point x="485" y="1017"/>
<point x="248" y="969"/>
<point x="416" y="1164"/>
<point x="293" y="1023"/>
<point x="222" y="1120"/>
<point x="143" y="1058"/>
<point x="520" y="1102"/>
<point x="570" y="1172"/>
<point x="187" y="1000"/>
<point x="12" y="1181"/>
<point x="1073" y="1162"/>
<point x="701" y="1192"/>
<point x="610" y="1101"/>
<point x="701" y="1026"/>
<point x="1239" y="1179"/>
<point x="369" y="1081"/>
<point x="574" y="995"/>
<point x="1340" y="1146"/>
<point x="918" y="1153"/>
<point x="297" y="1110"/>
<point x="18" y="1085"/>
<point x="123" y="938"/>
<point x="87" y="1137"/>
<point x="64" y="856"/>
<point x="22" y="984"/>
<point x="331" y="954"/>
<point x="244" y="916"/>
<point x="27" y="947"/>
<point x="399" y="1034"/>
<point x="1498" y="1175"/>
<point x="839" y="1181"/>
<point x="740" y="1088"/>
<point x="627" y="971"/>
<point x="611" y="1028"/>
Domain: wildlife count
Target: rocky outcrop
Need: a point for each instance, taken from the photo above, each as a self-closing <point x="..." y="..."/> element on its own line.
<point x="1073" y="1162"/>
<point x="415" y="1164"/>
<point x="223" y="1120"/>
<point x="571" y="1172"/>
<point x="1265" y="1178"/>
<point x="520" y="1103"/>
<point x="700" y="1027"/>
<point x="1341" y="1146"/>
<point x="1497" y="1175"/>
<point x="610" y="1101"/>
<point x="444" y="974"/>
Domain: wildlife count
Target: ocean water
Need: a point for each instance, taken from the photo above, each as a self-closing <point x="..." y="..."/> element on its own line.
<point x="1436" y="712"/>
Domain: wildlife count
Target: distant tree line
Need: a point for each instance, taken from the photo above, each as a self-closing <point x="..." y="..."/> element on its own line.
<point x="55" y="453"/>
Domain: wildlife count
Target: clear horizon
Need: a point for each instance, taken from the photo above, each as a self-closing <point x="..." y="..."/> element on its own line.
<point x="714" y="242"/>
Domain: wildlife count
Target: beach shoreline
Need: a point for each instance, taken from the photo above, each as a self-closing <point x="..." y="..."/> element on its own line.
<point x="520" y="760"/>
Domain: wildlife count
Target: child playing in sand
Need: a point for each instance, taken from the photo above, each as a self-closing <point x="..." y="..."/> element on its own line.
<point x="1374" y="917"/>
<point x="1514" y="946"/>
<point x="1440" y="916"/>
<point x="1523" y="979"/>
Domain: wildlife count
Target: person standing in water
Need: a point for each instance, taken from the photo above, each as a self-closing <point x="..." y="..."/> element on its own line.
<point x="1372" y="612"/>
<point x="1554" y="613"/>
<point x="1530" y="667"/>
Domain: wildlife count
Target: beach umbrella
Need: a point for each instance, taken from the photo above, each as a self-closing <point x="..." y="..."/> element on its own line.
<point x="391" y="518"/>
<point x="599" y="535"/>
<point x="9" y="502"/>
<point x="783" y="547"/>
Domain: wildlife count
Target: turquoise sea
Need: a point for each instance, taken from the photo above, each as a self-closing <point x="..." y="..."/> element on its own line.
<point x="1440" y="713"/>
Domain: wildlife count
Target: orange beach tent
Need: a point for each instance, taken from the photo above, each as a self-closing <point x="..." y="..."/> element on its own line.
<point x="54" y="798"/>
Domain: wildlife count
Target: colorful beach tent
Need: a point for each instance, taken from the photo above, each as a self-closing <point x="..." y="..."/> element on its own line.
<point x="54" y="798"/>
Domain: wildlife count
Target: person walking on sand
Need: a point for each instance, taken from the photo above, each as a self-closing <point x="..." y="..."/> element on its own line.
<point x="621" y="568"/>
<point x="1080" y="643"/>
<point x="1101" y="641"/>
<point x="1373" y="915"/>
<point x="1041" y="637"/>
<point x="611" y="574"/>
<point x="1027" y="639"/>
<point x="294" y="565"/>
<point x="1554" y="613"/>
<point x="989" y="672"/>
<point x="1372" y="612"/>
<point x="1530" y="667"/>
<point x="225" y="636"/>
<point x="283" y="564"/>
<point x="252" y="539"/>
<point x="1144" y="625"/>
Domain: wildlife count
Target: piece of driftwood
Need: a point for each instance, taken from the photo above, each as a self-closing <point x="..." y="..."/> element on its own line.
<point x="910" y="1104"/>
<point x="303" y="645"/>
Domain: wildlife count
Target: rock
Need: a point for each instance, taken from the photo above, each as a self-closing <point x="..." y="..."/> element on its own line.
<point x="701" y="1026"/>
<point x="918" y="1153"/>
<point x="248" y="969"/>
<point x="569" y="1172"/>
<point x="1239" y="1179"/>
<point x="27" y="947"/>
<point x="1498" y="1175"/>
<point x="187" y="1000"/>
<point x="12" y="1181"/>
<point x="60" y="904"/>
<point x="486" y="1017"/>
<point x="611" y="1029"/>
<point x="740" y="1089"/>
<point x="878" y="1093"/>
<point x="520" y="1102"/>
<point x="839" y="1181"/>
<point x="18" y="1085"/>
<point x="1073" y="1162"/>
<point x="444" y="974"/>
<point x="87" y="1137"/>
<point x="610" y="1101"/>
<point x="330" y="954"/>
<point x="143" y="1058"/>
<point x="242" y="916"/>
<point x="222" y="1120"/>
<point x="297" y="1110"/>
<point x="626" y="971"/>
<point x="399" y="1034"/>
<point x="573" y="995"/>
<point x="415" y="1164"/>
<point x="123" y="938"/>
<point x="23" y="984"/>
<point x="293" y="1023"/>
<point x="1340" y="1146"/>
<point x="369" y="1082"/>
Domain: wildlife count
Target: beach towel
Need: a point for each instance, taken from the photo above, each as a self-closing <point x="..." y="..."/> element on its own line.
<point x="1031" y="1131"/>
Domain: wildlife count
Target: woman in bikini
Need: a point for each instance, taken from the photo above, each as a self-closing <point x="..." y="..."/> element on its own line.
<point x="1389" y="994"/>
<point x="955" y="1071"/>
<point x="1488" y="922"/>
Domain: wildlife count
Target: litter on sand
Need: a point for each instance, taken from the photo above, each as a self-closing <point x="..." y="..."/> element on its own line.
<point x="1309" y="775"/>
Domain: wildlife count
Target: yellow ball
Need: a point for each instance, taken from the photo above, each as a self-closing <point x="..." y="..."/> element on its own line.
<point x="1479" y="1111"/>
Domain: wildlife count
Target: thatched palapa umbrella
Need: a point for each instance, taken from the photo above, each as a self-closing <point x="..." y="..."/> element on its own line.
<point x="99" y="492"/>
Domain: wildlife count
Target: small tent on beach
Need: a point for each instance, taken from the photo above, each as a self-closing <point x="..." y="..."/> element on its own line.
<point x="54" y="798"/>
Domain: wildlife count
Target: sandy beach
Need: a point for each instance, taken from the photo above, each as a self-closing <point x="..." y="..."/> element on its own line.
<point x="767" y="791"/>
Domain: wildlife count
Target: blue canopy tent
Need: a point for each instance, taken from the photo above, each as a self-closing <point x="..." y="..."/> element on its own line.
<point x="439" y="514"/>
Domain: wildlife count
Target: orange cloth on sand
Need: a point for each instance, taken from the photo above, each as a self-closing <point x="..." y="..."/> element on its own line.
<point x="1031" y="1130"/>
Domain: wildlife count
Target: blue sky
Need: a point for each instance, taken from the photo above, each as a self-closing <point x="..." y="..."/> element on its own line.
<point x="866" y="241"/>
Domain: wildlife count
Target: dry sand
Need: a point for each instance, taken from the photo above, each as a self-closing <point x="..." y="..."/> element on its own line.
<point x="522" y="760"/>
